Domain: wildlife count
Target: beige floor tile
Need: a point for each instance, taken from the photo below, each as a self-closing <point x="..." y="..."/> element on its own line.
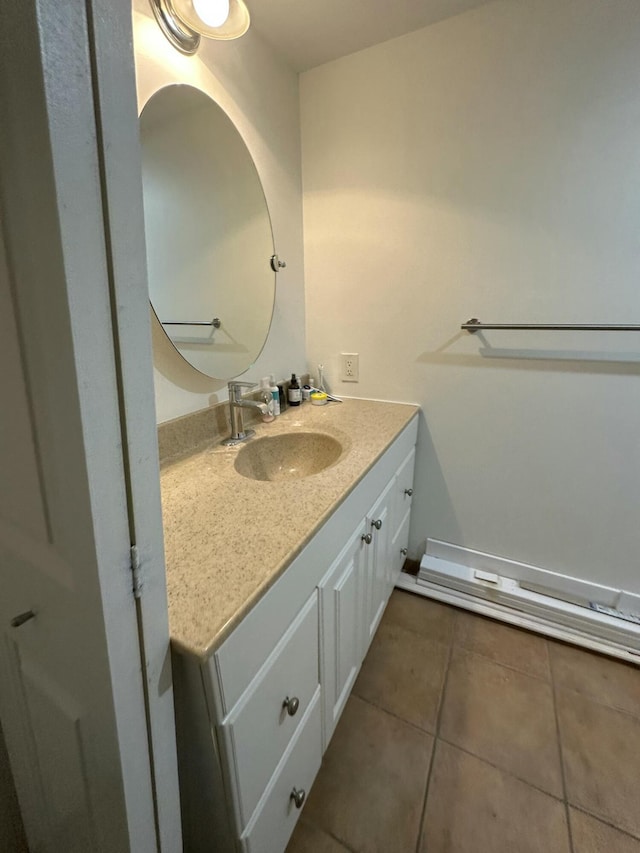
<point x="404" y="673"/>
<point x="475" y="808"/>
<point x="370" y="789"/>
<point x="307" y="838"/>
<point x="604" y="679"/>
<point x="503" y="643"/>
<point x="601" y="749"/>
<point x="592" y="836"/>
<point x="503" y="716"/>
<point x="422" y="615"/>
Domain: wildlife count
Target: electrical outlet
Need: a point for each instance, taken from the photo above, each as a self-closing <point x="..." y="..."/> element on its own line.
<point x="350" y="366"/>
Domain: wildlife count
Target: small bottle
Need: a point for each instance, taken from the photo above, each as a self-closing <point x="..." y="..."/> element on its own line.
<point x="282" y="397"/>
<point x="275" y="395"/>
<point x="306" y="392"/>
<point x="295" y="395"/>
<point x="265" y="393"/>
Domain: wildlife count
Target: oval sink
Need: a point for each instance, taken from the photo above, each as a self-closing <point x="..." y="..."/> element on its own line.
<point x="290" y="456"/>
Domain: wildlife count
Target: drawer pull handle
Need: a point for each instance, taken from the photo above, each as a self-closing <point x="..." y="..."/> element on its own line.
<point x="408" y="492"/>
<point x="377" y="524"/>
<point x="366" y="538"/>
<point x="21" y="618"/>
<point x="298" y="797"/>
<point x="291" y="705"/>
<point x="403" y="551"/>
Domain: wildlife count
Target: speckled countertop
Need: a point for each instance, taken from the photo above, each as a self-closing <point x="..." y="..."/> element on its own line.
<point x="228" y="538"/>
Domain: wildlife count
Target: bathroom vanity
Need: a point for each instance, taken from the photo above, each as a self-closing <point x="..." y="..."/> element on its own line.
<point x="277" y="581"/>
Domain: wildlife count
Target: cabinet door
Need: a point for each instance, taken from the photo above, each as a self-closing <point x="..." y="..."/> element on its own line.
<point x="399" y="549"/>
<point x="403" y="492"/>
<point x="379" y="570"/>
<point x="341" y="609"/>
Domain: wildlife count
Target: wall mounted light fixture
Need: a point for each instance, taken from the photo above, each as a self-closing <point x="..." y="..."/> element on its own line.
<point x="184" y="21"/>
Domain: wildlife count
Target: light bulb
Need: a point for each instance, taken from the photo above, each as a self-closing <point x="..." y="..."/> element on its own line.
<point x="218" y="19"/>
<point x="213" y="13"/>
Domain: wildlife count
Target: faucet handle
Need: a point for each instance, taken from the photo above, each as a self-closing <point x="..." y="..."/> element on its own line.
<point x="235" y="388"/>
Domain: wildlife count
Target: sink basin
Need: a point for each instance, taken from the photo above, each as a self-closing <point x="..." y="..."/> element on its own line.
<point x="290" y="456"/>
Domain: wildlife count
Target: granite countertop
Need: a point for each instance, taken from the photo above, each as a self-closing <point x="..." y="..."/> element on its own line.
<point x="229" y="538"/>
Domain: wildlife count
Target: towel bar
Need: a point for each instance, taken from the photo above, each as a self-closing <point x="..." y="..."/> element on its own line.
<point x="215" y="323"/>
<point x="475" y="325"/>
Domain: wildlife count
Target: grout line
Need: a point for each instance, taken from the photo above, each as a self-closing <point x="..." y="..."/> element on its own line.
<point x="390" y="623"/>
<point x="432" y="735"/>
<point x="462" y="611"/>
<point x="445" y="681"/>
<point x="561" y="755"/>
<point x="326" y="831"/>
<point x="558" y="798"/>
<point x="543" y="679"/>
<point x="587" y="697"/>
<point x="605" y="821"/>
<point x="395" y="716"/>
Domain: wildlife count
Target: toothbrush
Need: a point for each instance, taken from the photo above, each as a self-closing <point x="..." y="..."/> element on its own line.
<point x="322" y="388"/>
<point x="329" y="396"/>
<point x="321" y="378"/>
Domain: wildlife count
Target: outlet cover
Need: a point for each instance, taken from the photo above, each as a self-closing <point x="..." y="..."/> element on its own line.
<point x="350" y="366"/>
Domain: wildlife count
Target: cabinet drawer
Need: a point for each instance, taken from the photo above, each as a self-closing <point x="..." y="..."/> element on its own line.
<point x="260" y="727"/>
<point x="271" y="827"/>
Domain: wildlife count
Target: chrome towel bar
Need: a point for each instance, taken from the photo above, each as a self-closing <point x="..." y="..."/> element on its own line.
<point x="475" y="325"/>
<point x="216" y="323"/>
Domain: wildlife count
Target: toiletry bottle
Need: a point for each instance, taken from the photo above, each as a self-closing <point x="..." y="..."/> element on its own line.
<point x="295" y="395"/>
<point x="265" y="393"/>
<point x="282" y="397"/>
<point x="275" y="395"/>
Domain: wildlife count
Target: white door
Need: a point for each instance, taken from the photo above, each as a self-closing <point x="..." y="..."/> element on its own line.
<point x="73" y="704"/>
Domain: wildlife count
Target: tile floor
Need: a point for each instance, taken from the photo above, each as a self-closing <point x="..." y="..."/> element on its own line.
<point x="464" y="735"/>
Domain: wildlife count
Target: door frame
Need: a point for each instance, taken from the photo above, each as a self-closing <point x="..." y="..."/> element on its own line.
<point x="56" y="43"/>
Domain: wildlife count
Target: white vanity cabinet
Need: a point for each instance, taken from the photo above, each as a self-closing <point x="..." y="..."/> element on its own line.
<point x="254" y="719"/>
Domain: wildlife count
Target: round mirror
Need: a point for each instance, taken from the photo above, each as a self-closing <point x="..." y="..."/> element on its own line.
<point x="208" y="233"/>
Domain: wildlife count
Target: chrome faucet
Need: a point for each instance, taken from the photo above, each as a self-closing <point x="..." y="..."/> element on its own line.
<point x="236" y="405"/>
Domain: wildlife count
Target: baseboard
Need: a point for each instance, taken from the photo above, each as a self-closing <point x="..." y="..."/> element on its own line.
<point x="552" y="583"/>
<point x="520" y="594"/>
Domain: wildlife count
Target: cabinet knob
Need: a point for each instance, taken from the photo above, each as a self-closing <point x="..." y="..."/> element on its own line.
<point x="291" y="705"/>
<point x="298" y="797"/>
<point x="404" y="552"/>
<point x="366" y="538"/>
<point x="377" y="523"/>
<point x="21" y="618"/>
<point x="408" y="492"/>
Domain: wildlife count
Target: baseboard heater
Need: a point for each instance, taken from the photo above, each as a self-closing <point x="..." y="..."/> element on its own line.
<point x="600" y="618"/>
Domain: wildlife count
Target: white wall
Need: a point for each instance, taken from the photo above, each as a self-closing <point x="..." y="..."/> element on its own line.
<point x="260" y="95"/>
<point x="489" y="166"/>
